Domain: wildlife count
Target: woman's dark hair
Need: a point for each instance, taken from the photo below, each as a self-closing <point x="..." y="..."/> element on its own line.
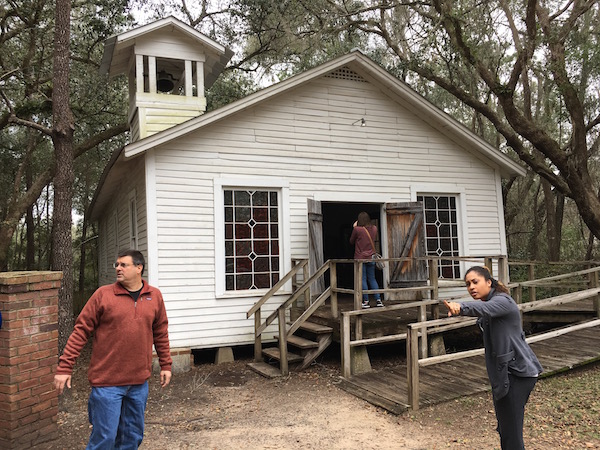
<point x="364" y="220"/>
<point x="136" y="257"/>
<point x="485" y="273"/>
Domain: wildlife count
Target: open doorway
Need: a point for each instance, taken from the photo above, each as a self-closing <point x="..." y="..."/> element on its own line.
<point x="337" y="228"/>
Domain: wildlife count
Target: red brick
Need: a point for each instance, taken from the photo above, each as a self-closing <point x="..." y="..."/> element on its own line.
<point x="42" y="406"/>
<point x="27" y="384"/>
<point x="6" y="369"/>
<point x="28" y="313"/>
<point x="43" y="354"/>
<point x="20" y="395"/>
<point x="8" y="354"/>
<point x="8" y="388"/>
<point x="49" y="413"/>
<point x="10" y="425"/>
<point x="8" y="407"/>
<point x="30" y="330"/>
<point x="42" y="374"/>
<point x="45" y="389"/>
<point x="13" y="288"/>
<point x="15" y="324"/>
<point x="9" y="315"/>
<point x="30" y="365"/>
<point x="28" y="349"/>
<point x="49" y="293"/>
<point x="51" y="361"/>
<point x="47" y="344"/>
<point x="48" y="327"/>
<point x="37" y="319"/>
<point x="28" y="418"/>
<point x="46" y="310"/>
<point x="29" y="401"/>
<point x="41" y="286"/>
<point x="49" y="395"/>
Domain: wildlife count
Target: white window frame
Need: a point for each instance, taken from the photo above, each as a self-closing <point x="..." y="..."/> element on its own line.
<point x="259" y="183"/>
<point x="133" y="221"/>
<point x="431" y="190"/>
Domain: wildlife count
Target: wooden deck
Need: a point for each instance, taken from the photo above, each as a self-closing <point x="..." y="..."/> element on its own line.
<point x="375" y="325"/>
<point x="388" y="388"/>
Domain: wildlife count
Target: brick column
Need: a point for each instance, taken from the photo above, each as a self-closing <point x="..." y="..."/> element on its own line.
<point x="28" y="357"/>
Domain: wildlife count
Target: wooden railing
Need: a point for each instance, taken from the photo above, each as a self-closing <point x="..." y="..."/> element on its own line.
<point x="430" y="291"/>
<point x="419" y="330"/>
<point x="302" y="288"/>
<point x="280" y="313"/>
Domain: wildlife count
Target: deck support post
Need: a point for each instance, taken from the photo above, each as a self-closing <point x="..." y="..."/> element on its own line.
<point x="306" y="276"/>
<point x="257" y="337"/>
<point x="593" y="283"/>
<point x="503" y="269"/>
<point x="412" y="367"/>
<point x="358" y="293"/>
<point x="283" y="354"/>
<point x="345" y="343"/>
<point x="422" y="317"/>
<point x="333" y="285"/>
<point x="531" y="276"/>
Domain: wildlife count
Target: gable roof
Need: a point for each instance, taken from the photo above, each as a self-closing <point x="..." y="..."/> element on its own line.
<point x="370" y="71"/>
<point x="117" y="48"/>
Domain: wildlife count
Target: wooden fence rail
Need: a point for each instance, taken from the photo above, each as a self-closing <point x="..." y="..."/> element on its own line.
<point x="420" y="329"/>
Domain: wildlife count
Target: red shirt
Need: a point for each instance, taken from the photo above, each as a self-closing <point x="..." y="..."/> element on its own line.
<point x="362" y="245"/>
<point x="124" y="332"/>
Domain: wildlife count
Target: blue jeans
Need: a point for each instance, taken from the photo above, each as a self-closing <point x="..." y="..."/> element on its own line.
<point x="369" y="281"/>
<point x="117" y="416"/>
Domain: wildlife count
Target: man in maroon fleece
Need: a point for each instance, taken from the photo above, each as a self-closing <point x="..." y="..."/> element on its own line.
<point x="126" y="318"/>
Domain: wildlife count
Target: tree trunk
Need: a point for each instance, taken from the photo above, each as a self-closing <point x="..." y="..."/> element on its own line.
<point x="554" y="203"/>
<point x="29" y="223"/>
<point x="82" y="257"/>
<point x="62" y="137"/>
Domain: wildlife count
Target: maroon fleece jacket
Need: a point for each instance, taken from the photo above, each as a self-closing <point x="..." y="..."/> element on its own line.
<point x="124" y="331"/>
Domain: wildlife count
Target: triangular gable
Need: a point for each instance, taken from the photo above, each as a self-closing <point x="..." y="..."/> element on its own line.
<point x="354" y="65"/>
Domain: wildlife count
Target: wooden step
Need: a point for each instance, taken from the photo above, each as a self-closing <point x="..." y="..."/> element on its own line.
<point x="273" y="352"/>
<point x="300" y="342"/>
<point x="264" y="369"/>
<point x="316" y="328"/>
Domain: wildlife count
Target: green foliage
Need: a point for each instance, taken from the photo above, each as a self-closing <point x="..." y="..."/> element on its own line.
<point x="26" y="149"/>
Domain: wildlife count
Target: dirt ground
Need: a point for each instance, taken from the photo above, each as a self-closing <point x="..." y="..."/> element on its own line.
<point x="228" y="406"/>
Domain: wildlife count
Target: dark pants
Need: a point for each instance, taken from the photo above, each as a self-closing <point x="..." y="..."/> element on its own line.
<point x="510" y="412"/>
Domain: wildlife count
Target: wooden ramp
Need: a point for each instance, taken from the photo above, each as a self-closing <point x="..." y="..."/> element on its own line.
<point x="389" y="388"/>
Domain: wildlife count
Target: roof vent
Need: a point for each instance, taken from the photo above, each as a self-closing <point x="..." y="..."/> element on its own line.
<point x="344" y="73"/>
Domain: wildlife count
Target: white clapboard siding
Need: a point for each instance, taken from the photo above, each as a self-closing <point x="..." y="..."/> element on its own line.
<point x="305" y="138"/>
<point x="134" y="182"/>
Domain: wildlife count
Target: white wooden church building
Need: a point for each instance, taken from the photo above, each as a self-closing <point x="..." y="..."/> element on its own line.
<point x="218" y="202"/>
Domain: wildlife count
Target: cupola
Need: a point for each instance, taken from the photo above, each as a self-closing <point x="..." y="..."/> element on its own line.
<point x="169" y="66"/>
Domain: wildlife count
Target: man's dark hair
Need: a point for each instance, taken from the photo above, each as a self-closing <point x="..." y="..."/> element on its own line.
<point x="136" y="256"/>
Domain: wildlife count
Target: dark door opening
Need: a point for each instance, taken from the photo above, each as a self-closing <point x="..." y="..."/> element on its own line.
<point x="337" y="228"/>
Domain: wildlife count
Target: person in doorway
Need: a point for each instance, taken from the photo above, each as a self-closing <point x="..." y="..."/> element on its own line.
<point x="512" y="366"/>
<point x="364" y="233"/>
<point x="126" y="318"/>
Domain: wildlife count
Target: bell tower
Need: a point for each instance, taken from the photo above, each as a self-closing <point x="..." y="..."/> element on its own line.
<point x="169" y="65"/>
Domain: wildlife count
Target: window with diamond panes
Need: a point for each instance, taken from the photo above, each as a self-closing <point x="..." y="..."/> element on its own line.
<point x="441" y="232"/>
<point x="251" y="239"/>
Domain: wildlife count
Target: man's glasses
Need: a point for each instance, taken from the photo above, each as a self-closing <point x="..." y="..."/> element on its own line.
<point x="115" y="265"/>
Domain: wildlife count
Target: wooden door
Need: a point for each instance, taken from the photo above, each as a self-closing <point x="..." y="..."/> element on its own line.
<point x="406" y="239"/>
<point x="315" y="249"/>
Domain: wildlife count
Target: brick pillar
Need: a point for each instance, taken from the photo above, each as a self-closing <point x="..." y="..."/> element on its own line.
<point x="28" y="358"/>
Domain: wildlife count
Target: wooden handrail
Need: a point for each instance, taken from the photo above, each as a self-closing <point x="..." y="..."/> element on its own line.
<point x="288" y="276"/>
<point x="421" y="329"/>
<point x="541" y="281"/>
<point x="296" y="295"/>
<point x="309" y="311"/>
